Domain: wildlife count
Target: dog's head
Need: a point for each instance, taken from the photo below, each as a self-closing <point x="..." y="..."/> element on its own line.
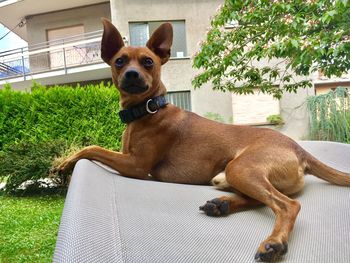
<point x="136" y="70"/>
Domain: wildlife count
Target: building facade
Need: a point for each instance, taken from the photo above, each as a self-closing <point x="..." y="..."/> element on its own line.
<point x="64" y="47"/>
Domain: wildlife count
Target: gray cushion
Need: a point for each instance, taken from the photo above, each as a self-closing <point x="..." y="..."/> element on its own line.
<point x="110" y="218"/>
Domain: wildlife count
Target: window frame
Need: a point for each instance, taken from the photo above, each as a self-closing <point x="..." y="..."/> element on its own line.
<point x="186" y="55"/>
<point x="178" y="92"/>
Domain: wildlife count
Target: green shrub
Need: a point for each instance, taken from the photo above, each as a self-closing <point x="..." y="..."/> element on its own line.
<point x="83" y="115"/>
<point x="47" y="121"/>
<point x="26" y="161"/>
<point x="275" y="119"/>
<point x="330" y="116"/>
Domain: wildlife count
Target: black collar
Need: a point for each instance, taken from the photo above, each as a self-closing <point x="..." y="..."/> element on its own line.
<point x="150" y="106"/>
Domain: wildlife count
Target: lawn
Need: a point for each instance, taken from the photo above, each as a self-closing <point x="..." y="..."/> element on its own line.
<point x="28" y="228"/>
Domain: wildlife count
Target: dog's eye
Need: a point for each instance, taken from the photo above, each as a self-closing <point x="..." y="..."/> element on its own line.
<point x="148" y="62"/>
<point x="119" y="63"/>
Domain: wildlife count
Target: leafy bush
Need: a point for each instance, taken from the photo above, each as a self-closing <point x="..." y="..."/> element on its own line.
<point x="330" y="116"/>
<point x="275" y="119"/>
<point x="28" y="162"/>
<point x="295" y="37"/>
<point x="83" y="115"/>
<point x="43" y="124"/>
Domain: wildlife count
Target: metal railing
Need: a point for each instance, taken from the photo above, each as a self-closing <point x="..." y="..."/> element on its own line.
<point x="51" y="55"/>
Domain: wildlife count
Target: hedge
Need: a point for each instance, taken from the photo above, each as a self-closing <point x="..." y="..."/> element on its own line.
<point x="62" y="115"/>
<point x="330" y="116"/>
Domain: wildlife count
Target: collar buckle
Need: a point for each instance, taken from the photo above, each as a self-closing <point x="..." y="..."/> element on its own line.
<point x="148" y="109"/>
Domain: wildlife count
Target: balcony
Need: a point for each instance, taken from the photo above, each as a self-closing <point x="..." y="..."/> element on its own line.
<point x="59" y="57"/>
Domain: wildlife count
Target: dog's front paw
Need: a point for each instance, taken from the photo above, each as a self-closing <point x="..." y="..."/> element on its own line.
<point x="271" y="252"/>
<point x="216" y="207"/>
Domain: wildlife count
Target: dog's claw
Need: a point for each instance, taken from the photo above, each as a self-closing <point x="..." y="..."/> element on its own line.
<point x="216" y="207"/>
<point x="273" y="251"/>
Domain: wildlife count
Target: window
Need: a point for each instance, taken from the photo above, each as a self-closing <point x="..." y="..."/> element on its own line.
<point x="253" y="108"/>
<point x="64" y="32"/>
<point x="72" y="56"/>
<point x="141" y="32"/>
<point x="327" y="87"/>
<point x="181" y="99"/>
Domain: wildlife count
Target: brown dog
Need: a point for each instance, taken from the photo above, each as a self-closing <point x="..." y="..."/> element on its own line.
<point x="173" y="145"/>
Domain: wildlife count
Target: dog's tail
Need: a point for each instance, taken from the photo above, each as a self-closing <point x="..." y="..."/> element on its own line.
<point x="329" y="174"/>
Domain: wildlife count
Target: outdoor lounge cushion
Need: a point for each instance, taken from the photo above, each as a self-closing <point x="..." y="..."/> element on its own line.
<point x="110" y="218"/>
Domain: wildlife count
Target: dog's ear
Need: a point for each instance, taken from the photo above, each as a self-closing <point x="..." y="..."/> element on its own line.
<point x="112" y="41"/>
<point x="161" y="41"/>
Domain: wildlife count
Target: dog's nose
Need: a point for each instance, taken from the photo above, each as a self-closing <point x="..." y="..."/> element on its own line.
<point x="132" y="75"/>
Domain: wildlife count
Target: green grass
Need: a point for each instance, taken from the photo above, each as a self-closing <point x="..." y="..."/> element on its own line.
<point x="28" y="228"/>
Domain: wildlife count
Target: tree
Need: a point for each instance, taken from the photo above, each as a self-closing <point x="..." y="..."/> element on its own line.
<point x="294" y="37"/>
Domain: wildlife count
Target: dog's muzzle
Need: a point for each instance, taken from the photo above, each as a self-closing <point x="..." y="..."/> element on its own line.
<point x="133" y="83"/>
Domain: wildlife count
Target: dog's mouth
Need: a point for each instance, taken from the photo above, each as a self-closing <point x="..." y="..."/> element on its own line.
<point x="134" y="88"/>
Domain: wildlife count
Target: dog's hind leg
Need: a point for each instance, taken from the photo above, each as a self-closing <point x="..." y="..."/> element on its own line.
<point x="251" y="179"/>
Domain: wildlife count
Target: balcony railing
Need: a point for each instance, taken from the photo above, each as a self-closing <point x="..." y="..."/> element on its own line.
<point x="60" y="54"/>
